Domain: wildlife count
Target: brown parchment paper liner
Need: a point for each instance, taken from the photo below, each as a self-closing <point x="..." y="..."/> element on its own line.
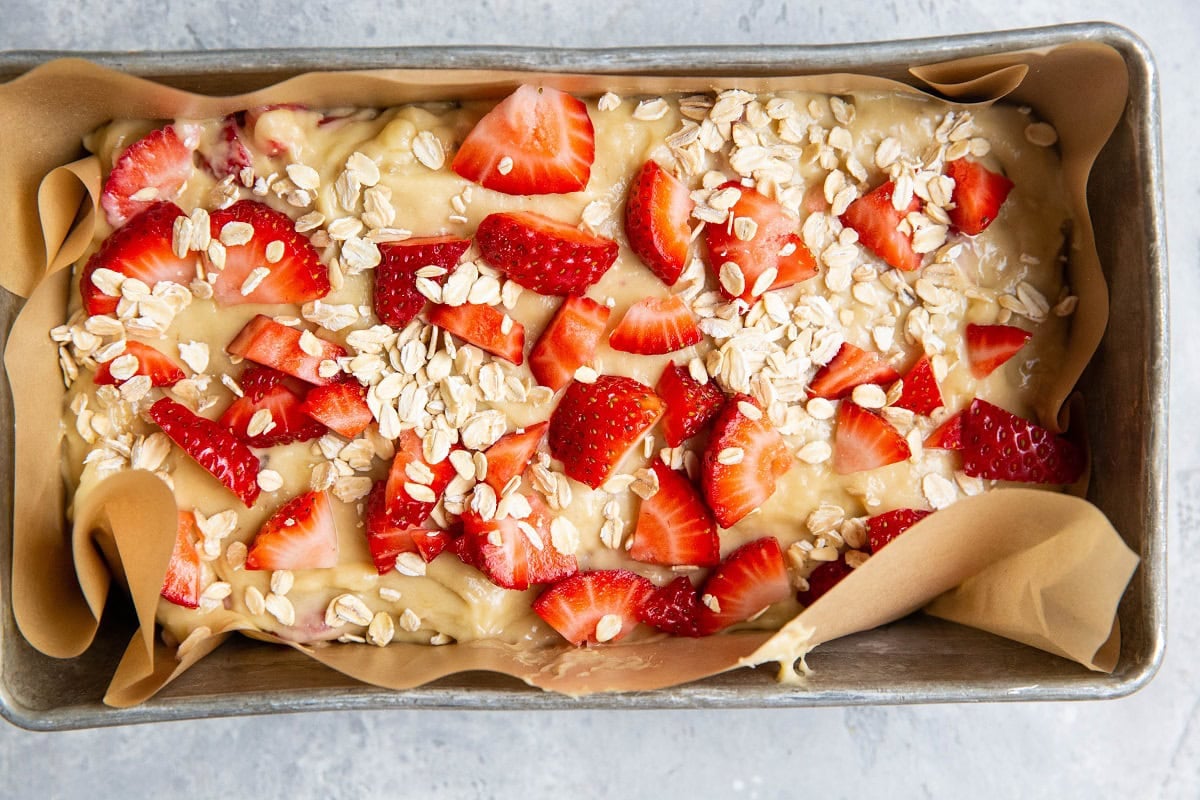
<point x="1038" y="567"/>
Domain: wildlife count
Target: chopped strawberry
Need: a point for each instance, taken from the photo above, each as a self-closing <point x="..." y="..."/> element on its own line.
<point x="674" y="527"/>
<point x="212" y="446"/>
<point x="503" y="551"/>
<point x="568" y="342"/>
<point x="750" y="580"/>
<point x="341" y="407"/>
<point x="736" y="489"/>
<point x="978" y="195"/>
<point x="486" y="327"/>
<point x="773" y="246"/>
<point x="397" y="301"/>
<point x="852" y="366"/>
<point x="596" y="424"/>
<point x="690" y="404"/>
<point x="288" y="421"/>
<point x="656" y="325"/>
<point x="300" y="535"/>
<point x="947" y="436"/>
<point x="386" y="539"/>
<point x="863" y="441"/>
<point x="227" y="155"/>
<point x="181" y="585"/>
<point x="674" y="608"/>
<point x="920" y="394"/>
<point x="882" y="528"/>
<point x="298" y="276"/>
<point x="537" y="140"/>
<point x="409" y="462"/>
<point x="511" y="454"/>
<point x="823" y="578"/>
<point x="876" y="221"/>
<point x="161" y="368"/>
<point x="656" y="221"/>
<point x="152" y="169"/>
<point x="544" y="254"/>
<point x="591" y="607"/>
<point x="257" y="380"/>
<point x="1001" y="446"/>
<point x="139" y="249"/>
<point x="273" y="344"/>
<point x="989" y="346"/>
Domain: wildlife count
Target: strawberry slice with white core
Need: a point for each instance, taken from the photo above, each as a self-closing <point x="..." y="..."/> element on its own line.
<point x="744" y="459"/>
<point x="543" y="254"/>
<point x="511" y="553"/>
<point x="227" y="154"/>
<point x="656" y="221"/>
<point x="140" y="249"/>
<point x="300" y="535"/>
<point x="594" y="607"/>
<point x="978" y="195"/>
<point x="161" y="368"/>
<point x="852" y="366"/>
<point x="674" y="608"/>
<point x="275" y="265"/>
<point x="864" y="440"/>
<point x="674" y="527"/>
<point x="387" y="537"/>
<point x="920" y="393"/>
<point x="999" y="445"/>
<point x="211" y="446"/>
<point x="947" y="436"/>
<point x="296" y="352"/>
<point x="883" y="528"/>
<point x="486" y="327"/>
<point x="876" y="220"/>
<point x="414" y="484"/>
<point x="596" y="424"/>
<point x="341" y="407"/>
<point x="537" y="140"/>
<point x="989" y="346"/>
<point x="181" y="585"/>
<point x="397" y="301"/>
<point x="656" y="325"/>
<point x="568" y="342"/>
<point x="152" y="169"/>
<point x="511" y="454"/>
<point x="751" y="579"/>
<point x="283" y="423"/>
<point x="690" y="404"/>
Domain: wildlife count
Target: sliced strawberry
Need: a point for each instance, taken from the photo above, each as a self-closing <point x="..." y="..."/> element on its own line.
<point x="288" y="423"/>
<point x="656" y="325"/>
<point x="734" y="490"/>
<point x="503" y="552"/>
<point x="882" y="528"/>
<point x="656" y="221"/>
<point x="300" y="535"/>
<point x="690" y="404"/>
<point x="212" y="446"/>
<point x="584" y="607"/>
<point x="511" y="454"/>
<point x="920" y="394"/>
<point x="568" y="342"/>
<point x="852" y="366"/>
<point x="774" y="244"/>
<point x="139" y="249"/>
<point x="181" y="585"/>
<point x="227" y="155"/>
<point x="537" y="140"/>
<point x="387" y="540"/>
<point x="543" y="254"/>
<point x="257" y="380"/>
<point x="397" y="301"/>
<point x="273" y="344"/>
<point x="1001" y="446"/>
<point x="823" y="578"/>
<point x="403" y="509"/>
<point x="486" y="327"/>
<point x="674" y="608"/>
<point x="341" y="407"/>
<point x="876" y="221"/>
<point x="596" y="424"/>
<point x="947" y="436"/>
<point x="161" y="368"/>
<point x="989" y="346"/>
<point x="674" y="527"/>
<point x="152" y="169"/>
<point x="750" y="580"/>
<point x="298" y="276"/>
<point x="978" y="195"/>
<point x="863" y="441"/>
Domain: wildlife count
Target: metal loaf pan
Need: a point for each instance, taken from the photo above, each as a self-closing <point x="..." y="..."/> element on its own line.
<point x="916" y="660"/>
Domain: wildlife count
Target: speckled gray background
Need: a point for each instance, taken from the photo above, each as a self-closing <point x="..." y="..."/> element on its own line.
<point x="1147" y="745"/>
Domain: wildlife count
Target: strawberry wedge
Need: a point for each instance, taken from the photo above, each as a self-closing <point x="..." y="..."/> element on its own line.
<point x="674" y="527"/>
<point x="990" y="346"/>
<point x="289" y="350"/>
<point x="852" y="366"/>
<point x="152" y="169"/>
<point x="655" y="326"/>
<point x="341" y="407"/>
<point x="772" y="257"/>
<point x="161" y="368"/>
<point x="511" y="454"/>
<point x="410" y="501"/>
<point x="947" y="436"/>
<point x="568" y="342"/>
<point x="211" y="446"/>
<point x="822" y="579"/>
<point x="596" y="424"/>
<point x="181" y="585"/>
<point x="300" y="535"/>
<point x="690" y="404"/>
<point x="594" y="607"/>
<point x="486" y="327"/>
<point x="674" y="608"/>
<point x="999" y="445"/>
<point x="506" y="553"/>
<point x="543" y="254"/>
<point x="876" y="221"/>
<point x="397" y="301"/>
<point x="656" y="221"/>
<point x="287" y="422"/>
<point x="388" y="536"/>
<point x="978" y="195"/>
<point x="883" y="528"/>
<point x="140" y="249"/>
<point x="919" y="392"/>
<point x="864" y="440"/>
<point x="276" y="265"/>
<point x="744" y="459"/>
<point x="749" y="581"/>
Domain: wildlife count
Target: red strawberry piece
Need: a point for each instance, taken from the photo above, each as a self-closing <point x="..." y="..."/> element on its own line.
<point x="300" y="535"/>
<point x="596" y="424"/>
<point x="503" y="551"/>
<point x="774" y="244"/>
<point x="273" y="344"/>
<point x="656" y="221"/>
<point x="920" y="394"/>
<point x="591" y="607"/>
<point x="182" y="582"/>
<point x="397" y="301"/>
<point x="257" y="380"/>
<point x="875" y="220"/>
<point x="288" y="424"/>
<point x="568" y="342"/>
<point x="139" y="249"/>
<point x="211" y="446"/>
<point x="403" y="509"/>
<point x="674" y="527"/>
<point x="882" y="528"/>
<point x="989" y="346"/>
<point x="152" y="169"/>
<point x="735" y="489"/>
<point x="947" y="436"/>
<point x="852" y="366"/>
<point x="863" y="441"/>
<point x="978" y="195"/>
<point x="279" y="128"/>
<point x="161" y="368"/>
<point x="386" y="539"/>
<point x="227" y="155"/>
<point x="543" y="254"/>
<point x="511" y="454"/>
<point x="750" y="580"/>
<point x="690" y="404"/>
<point x="822" y="579"/>
<point x="297" y="277"/>
<point x="341" y="407"/>
<point x="656" y="325"/>
<point x="674" y="608"/>
<point x="486" y="327"/>
<point x="537" y="140"/>
<point x="1001" y="446"/>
